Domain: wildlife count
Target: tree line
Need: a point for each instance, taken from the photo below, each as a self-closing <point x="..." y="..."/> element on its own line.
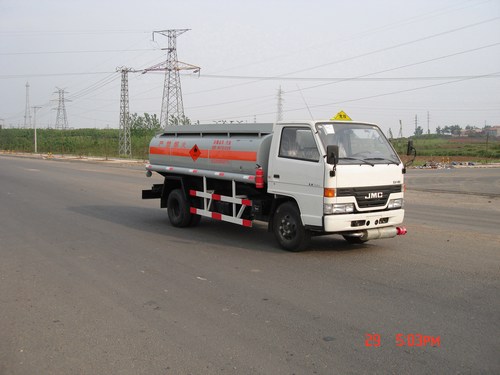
<point x="88" y="141"/>
<point x="455" y="130"/>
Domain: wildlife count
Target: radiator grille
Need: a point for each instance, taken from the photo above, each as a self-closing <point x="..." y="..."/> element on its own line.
<point x="370" y="196"/>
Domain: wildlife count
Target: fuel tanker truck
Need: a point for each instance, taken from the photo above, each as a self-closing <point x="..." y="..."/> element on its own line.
<point x="304" y="178"/>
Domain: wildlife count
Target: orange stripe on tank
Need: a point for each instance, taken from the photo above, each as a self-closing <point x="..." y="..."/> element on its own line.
<point x="206" y="154"/>
<point x="233" y="155"/>
<point x="159" y="150"/>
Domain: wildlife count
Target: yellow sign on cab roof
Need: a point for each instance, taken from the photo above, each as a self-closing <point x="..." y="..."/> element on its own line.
<point x="341" y="116"/>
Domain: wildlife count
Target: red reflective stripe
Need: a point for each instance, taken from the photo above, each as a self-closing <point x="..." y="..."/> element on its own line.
<point x="216" y="216"/>
<point x="192" y="210"/>
<point x="246" y="202"/>
<point x="192" y="193"/>
<point x="216" y="197"/>
<point x="247" y="223"/>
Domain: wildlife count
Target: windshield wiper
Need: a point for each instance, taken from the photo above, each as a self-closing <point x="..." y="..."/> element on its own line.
<point x="361" y="160"/>
<point x="389" y="160"/>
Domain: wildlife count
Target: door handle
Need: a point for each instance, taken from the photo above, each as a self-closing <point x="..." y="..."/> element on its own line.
<point x="276" y="176"/>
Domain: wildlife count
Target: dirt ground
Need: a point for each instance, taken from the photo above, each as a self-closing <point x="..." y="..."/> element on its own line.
<point x="421" y="160"/>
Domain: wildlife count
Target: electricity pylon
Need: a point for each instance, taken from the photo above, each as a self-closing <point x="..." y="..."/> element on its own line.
<point x="390" y="134"/>
<point x="61" y="118"/>
<point x="27" y="109"/>
<point x="124" y="144"/>
<point x="279" y="112"/>
<point x="172" y="107"/>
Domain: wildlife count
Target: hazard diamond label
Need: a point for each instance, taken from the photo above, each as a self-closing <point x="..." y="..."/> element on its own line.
<point x="341" y="116"/>
<point x="195" y="152"/>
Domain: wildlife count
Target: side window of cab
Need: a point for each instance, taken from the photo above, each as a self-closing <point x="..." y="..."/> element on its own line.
<point x="298" y="143"/>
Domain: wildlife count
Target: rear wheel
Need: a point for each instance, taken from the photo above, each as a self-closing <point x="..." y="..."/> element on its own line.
<point x="194" y="221"/>
<point x="178" y="209"/>
<point x="288" y="229"/>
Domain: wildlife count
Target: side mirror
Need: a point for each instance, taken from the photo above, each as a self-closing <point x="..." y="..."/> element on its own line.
<point x="332" y="154"/>
<point x="409" y="148"/>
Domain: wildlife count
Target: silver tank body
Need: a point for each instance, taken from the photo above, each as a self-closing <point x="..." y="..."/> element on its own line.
<point x="230" y="148"/>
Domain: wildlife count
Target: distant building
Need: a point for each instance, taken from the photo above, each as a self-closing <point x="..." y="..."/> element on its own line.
<point x="493" y="131"/>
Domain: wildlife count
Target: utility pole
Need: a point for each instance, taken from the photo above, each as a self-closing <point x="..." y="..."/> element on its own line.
<point x="35" y="108"/>
<point x="279" y="112"/>
<point x="27" y="112"/>
<point x="428" y="122"/>
<point x="400" y="135"/>
<point x="61" y="118"/>
<point x="124" y="146"/>
<point x="172" y="107"/>
<point x="416" y="124"/>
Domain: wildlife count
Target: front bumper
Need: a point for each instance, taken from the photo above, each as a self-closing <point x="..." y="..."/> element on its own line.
<point x="362" y="221"/>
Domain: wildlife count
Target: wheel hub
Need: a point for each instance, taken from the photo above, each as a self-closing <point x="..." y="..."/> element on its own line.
<point x="287" y="228"/>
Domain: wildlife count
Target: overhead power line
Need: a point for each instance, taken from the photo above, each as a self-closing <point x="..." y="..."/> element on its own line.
<point x="396" y="46"/>
<point x="414" y="64"/>
<point x="66" y="32"/>
<point x="365" y="77"/>
<point x="41" y="75"/>
<point x="361" y="55"/>
<point x="359" y="79"/>
<point x="95" y="86"/>
<point x="368" y="97"/>
<point x="70" y="52"/>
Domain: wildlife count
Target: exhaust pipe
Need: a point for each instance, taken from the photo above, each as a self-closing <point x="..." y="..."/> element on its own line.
<point x="375" y="234"/>
<point x="401" y="231"/>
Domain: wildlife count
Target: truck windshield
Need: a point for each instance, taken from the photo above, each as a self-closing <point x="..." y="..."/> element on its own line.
<point x="358" y="143"/>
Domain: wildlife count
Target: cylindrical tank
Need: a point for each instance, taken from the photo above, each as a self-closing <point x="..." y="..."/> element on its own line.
<point x="231" y="148"/>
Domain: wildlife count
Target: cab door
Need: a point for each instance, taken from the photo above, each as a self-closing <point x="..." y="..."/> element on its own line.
<point x="296" y="169"/>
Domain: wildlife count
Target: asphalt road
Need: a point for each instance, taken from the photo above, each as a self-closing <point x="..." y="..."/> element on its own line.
<point x="93" y="280"/>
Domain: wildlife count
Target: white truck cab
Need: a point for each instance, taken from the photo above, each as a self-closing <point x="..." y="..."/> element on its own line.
<point x="344" y="176"/>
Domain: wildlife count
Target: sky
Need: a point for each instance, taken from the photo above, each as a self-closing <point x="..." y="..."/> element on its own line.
<point x="426" y="62"/>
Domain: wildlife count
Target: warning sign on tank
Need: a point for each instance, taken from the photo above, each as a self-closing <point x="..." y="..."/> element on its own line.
<point x="195" y="152"/>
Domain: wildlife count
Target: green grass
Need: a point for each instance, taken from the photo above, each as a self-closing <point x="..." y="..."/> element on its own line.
<point x="446" y="146"/>
<point x="79" y="142"/>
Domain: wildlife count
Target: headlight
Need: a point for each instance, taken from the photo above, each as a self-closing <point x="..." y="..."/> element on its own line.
<point x="395" y="203"/>
<point x="338" y="208"/>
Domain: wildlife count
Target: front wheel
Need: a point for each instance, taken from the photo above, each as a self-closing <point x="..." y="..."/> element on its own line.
<point x="288" y="229"/>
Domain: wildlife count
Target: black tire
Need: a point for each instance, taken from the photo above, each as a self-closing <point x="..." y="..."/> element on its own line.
<point x="178" y="209"/>
<point x="354" y="240"/>
<point x="288" y="229"/>
<point x="194" y="221"/>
